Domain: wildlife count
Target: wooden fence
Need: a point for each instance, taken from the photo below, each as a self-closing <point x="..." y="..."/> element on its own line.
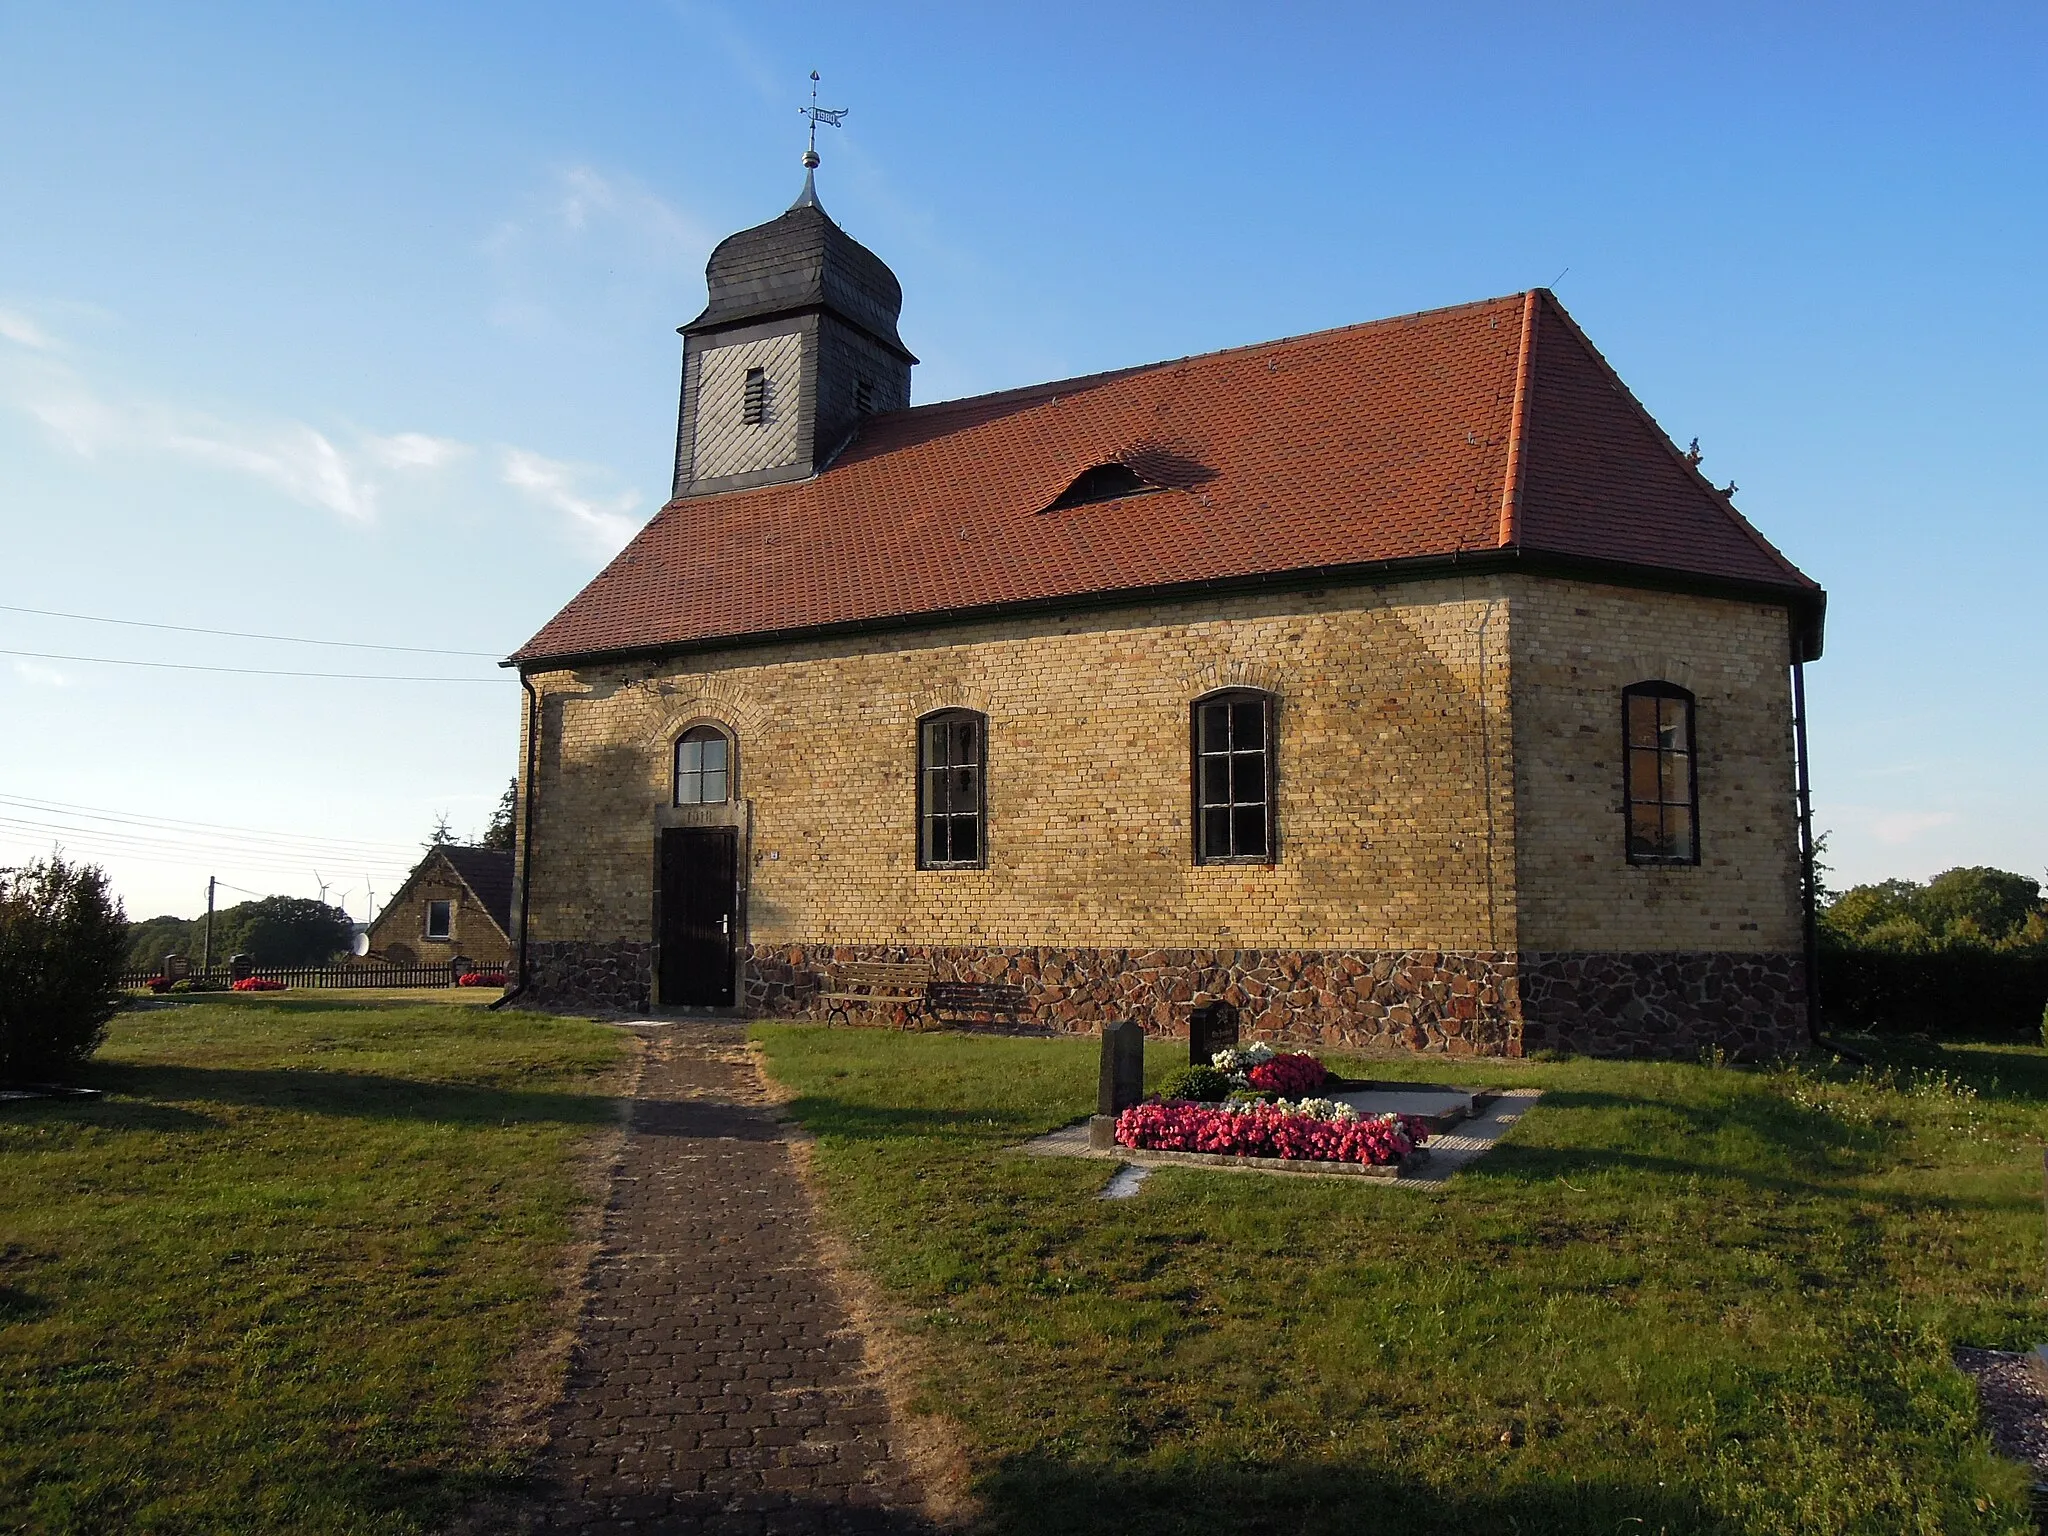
<point x="219" y="979"/>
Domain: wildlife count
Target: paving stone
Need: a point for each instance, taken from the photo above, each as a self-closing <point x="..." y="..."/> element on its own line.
<point x="716" y="1383"/>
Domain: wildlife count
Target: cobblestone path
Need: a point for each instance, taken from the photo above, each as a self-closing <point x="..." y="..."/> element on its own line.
<point x="716" y="1383"/>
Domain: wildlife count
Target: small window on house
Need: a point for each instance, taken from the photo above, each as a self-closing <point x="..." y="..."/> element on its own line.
<point x="863" y="398"/>
<point x="703" y="766"/>
<point x="440" y="919"/>
<point x="1233" y="752"/>
<point x="1662" y="785"/>
<point x="754" y="399"/>
<point x="951" y="808"/>
<point x="1104" y="482"/>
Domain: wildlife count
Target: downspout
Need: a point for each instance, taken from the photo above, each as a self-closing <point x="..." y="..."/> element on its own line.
<point x="1808" y="882"/>
<point x="533" y="720"/>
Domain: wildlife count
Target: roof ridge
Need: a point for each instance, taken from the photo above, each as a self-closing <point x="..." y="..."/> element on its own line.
<point x="1518" y="428"/>
<point x="1718" y="499"/>
<point x="1056" y="386"/>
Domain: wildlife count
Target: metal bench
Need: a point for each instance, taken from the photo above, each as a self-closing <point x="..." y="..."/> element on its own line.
<point x="870" y="984"/>
<point x="966" y="1000"/>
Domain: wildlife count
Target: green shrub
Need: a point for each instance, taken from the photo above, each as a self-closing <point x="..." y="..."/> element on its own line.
<point x="62" y="939"/>
<point x="1205" y="1085"/>
<point x="1959" y="990"/>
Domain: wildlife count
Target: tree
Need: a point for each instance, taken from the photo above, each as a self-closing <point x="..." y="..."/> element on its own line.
<point x="62" y="938"/>
<point x="150" y="940"/>
<point x="282" y="930"/>
<point x="1974" y="907"/>
<point x="1979" y="905"/>
<point x="503" y="832"/>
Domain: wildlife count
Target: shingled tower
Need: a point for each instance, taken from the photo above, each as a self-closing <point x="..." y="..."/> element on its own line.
<point x="796" y="345"/>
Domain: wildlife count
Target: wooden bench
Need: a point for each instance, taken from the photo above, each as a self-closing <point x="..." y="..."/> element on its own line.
<point x="966" y="999"/>
<point x="879" y="984"/>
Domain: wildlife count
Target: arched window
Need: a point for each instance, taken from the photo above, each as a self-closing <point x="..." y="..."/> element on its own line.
<point x="1233" y="754"/>
<point x="1663" y="789"/>
<point x="704" y="764"/>
<point x="952" y="763"/>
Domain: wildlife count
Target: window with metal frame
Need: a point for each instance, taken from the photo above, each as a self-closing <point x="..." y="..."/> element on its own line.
<point x="754" y="398"/>
<point x="952" y="808"/>
<point x="704" y="766"/>
<point x="1661" y="774"/>
<point x="1234" y="755"/>
<point x="440" y="919"/>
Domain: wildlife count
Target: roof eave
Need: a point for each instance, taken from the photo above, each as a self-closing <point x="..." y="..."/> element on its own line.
<point x="1806" y="604"/>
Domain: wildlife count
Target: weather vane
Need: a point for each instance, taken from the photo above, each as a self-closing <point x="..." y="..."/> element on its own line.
<point x="831" y="117"/>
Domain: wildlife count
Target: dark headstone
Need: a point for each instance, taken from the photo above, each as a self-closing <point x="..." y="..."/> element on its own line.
<point x="241" y="967"/>
<point x="1212" y="1027"/>
<point x="176" y="968"/>
<point x="1122" y="1082"/>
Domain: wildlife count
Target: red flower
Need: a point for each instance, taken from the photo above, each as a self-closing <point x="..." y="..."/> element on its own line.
<point x="1262" y="1131"/>
<point x="1289" y="1076"/>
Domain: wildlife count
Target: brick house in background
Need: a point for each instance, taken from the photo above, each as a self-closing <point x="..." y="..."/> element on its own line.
<point x="457" y="901"/>
<point x="1401" y="683"/>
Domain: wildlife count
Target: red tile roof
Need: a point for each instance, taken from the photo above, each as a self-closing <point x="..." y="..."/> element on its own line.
<point x="1490" y="429"/>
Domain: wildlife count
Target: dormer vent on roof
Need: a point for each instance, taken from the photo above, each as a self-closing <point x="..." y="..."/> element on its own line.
<point x="1102" y="482"/>
<point x="796" y="344"/>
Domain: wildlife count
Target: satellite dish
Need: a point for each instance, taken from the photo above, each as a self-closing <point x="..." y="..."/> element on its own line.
<point x="359" y="946"/>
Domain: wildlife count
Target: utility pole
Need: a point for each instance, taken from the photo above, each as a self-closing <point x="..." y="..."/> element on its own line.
<point x="206" y="959"/>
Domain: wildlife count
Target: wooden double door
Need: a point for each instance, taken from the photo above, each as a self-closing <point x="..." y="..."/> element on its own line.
<point x="699" y="918"/>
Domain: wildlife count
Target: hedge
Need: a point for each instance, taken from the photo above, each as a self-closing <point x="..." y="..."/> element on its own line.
<point x="1945" y="991"/>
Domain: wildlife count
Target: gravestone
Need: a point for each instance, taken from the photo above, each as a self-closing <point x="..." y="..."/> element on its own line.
<point x="176" y="968"/>
<point x="241" y="967"/>
<point x="1122" y="1081"/>
<point x="1212" y="1027"/>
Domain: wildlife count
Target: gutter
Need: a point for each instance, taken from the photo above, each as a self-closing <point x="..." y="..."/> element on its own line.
<point x="533" y="721"/>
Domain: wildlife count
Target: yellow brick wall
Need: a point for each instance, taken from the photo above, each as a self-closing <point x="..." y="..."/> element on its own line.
<point x="1386" y="758"/>
<point x="1575" y="647"/>
<point x="1388" y="770"/>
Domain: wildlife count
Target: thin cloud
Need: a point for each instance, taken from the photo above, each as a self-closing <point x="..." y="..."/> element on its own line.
<point x="24" y="332"/>
<point x="300" y="460"/>
<point x="587" y="236"/>
<point x="39" y="676"/>
<point x="1899" y="827"/>
<point x="603" y="524"/>
<point x="414" y="450"/>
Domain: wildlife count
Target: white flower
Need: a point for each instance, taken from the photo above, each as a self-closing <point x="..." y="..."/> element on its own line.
<point x="1238" y="1060"/>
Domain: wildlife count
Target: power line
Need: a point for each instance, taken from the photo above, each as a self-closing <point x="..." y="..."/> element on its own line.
<point x="194" y="844"/>
<point x="335" y="847"/>
<point x="237" y="634"/>
<point x="34" y="847"/>
<point x="186" y="666"/>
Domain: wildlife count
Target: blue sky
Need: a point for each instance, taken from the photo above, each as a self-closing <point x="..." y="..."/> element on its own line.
<point x="357" y="323"/>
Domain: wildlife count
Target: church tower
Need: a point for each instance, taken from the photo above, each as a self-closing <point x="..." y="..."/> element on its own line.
<point x="796" y="345"/>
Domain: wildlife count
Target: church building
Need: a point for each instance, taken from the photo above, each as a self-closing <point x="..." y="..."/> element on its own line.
<point x="1401" y="684"/>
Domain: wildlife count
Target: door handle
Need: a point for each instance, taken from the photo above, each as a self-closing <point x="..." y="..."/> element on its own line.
<point x="725" y="923"/>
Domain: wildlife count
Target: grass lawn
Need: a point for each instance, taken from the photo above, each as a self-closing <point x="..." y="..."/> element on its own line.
<point x="1678" y="1298"/>
<point x="266" y="1283"/>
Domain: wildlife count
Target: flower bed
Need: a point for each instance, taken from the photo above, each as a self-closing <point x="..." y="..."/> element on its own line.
<point x="257" y="984"/>
<point x="1311" y="1129"/>
<point x="481" y="979"/>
